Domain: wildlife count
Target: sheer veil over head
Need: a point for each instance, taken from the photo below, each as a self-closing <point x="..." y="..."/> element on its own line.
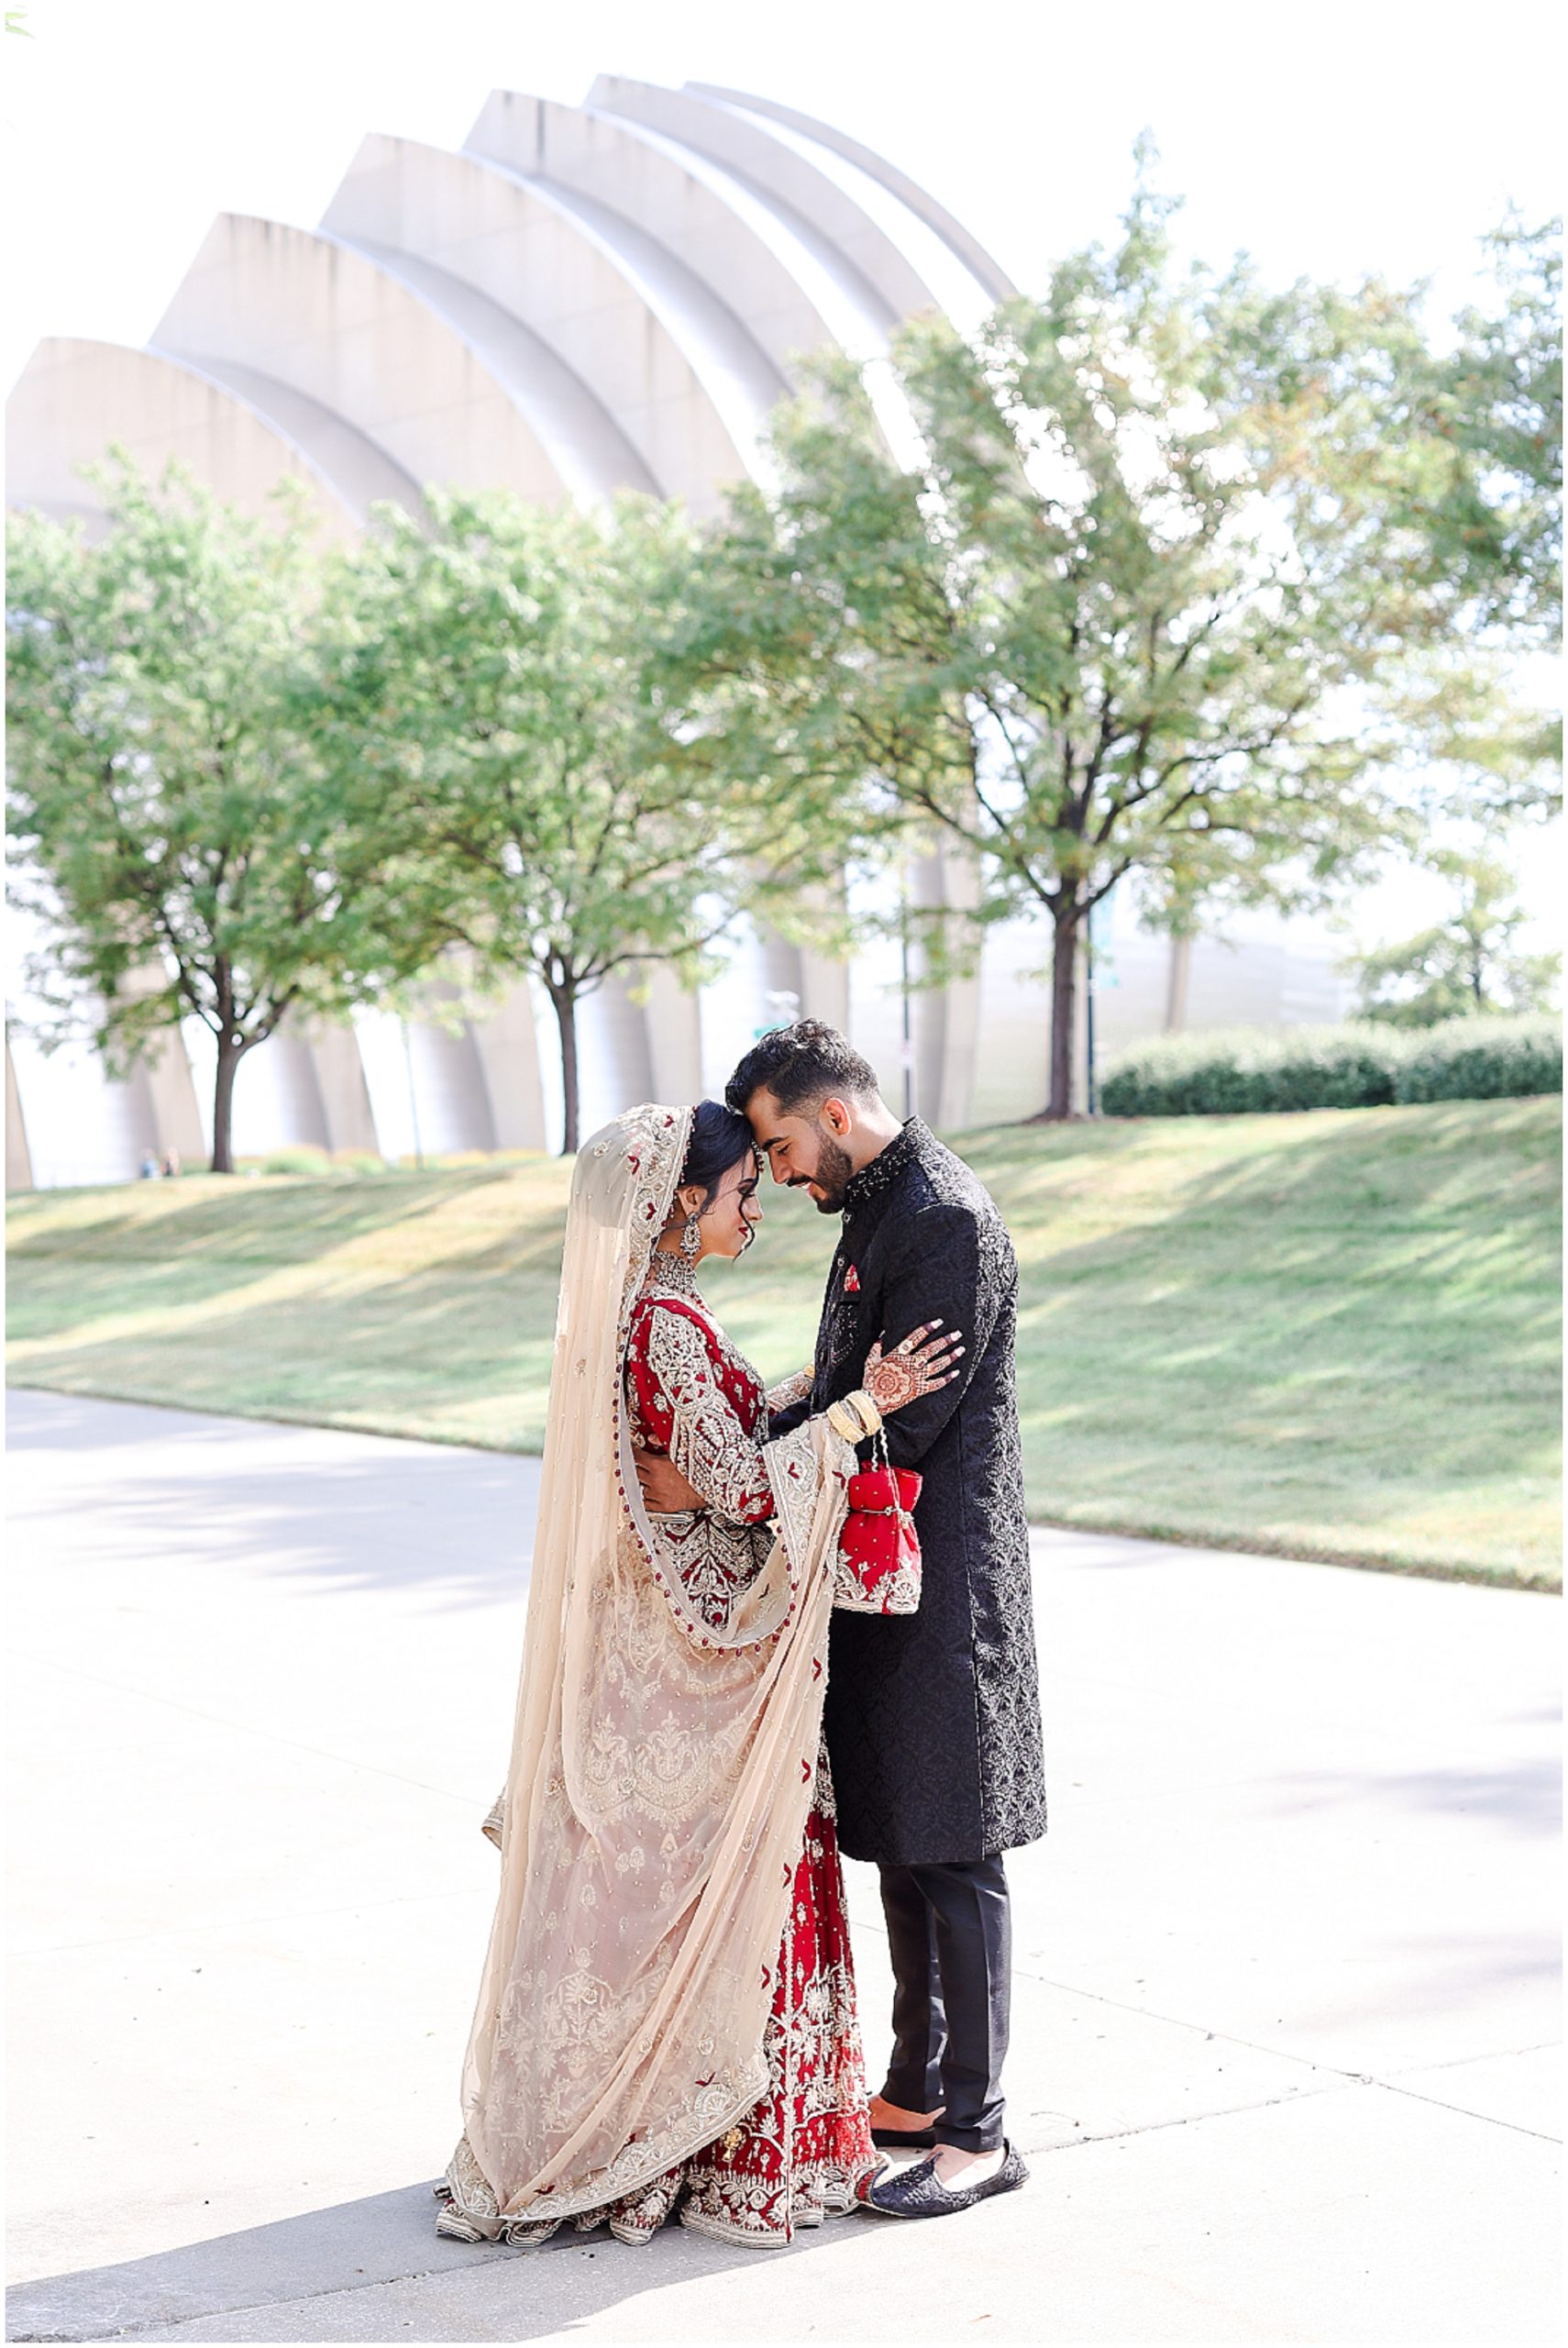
<point x="660" y="1775"/>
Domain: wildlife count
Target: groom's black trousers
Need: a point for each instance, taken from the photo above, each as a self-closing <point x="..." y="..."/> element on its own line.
<point x="950" y="1932"/>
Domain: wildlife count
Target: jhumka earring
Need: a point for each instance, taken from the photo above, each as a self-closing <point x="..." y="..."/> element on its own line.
<point x="692" y="1238"/>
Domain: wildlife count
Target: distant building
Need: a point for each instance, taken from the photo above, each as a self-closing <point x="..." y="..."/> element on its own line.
<point x="582" y="299"/>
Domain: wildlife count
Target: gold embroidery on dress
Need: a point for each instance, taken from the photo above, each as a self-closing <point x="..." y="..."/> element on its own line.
<point x="576" y="2095"/>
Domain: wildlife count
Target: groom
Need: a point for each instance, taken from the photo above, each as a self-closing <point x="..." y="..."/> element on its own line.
<point x="932" y="1719"/>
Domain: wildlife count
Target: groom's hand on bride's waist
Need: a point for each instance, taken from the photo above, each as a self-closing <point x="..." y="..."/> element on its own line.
<point x="665" y="1489"/>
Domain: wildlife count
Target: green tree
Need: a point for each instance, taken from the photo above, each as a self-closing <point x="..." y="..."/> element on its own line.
<point x="1469" y="961"/>
<point x="1496" y="401"/>
<point x="497" y="697"/>
<point x="1471" y="481"/>
<point x="1130" y="599"/>
<point x="167" y="828"/>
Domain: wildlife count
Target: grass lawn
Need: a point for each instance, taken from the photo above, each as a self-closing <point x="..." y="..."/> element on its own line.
<point x="1332" y="1335"/>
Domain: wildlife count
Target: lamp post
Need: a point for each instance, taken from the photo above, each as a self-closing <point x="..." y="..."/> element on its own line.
<point x="1091" y="1099"/>
<point x="413" y="1096"/>
<point x="1101" y="914"/>
<point x="783" y="1010"/>
<point x="906" y="1040"/>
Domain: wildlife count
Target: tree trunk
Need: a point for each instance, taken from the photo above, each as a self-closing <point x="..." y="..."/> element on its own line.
<point x="228" y="1060"/>
<point x="1064" y="1007"/>
<point x="564" y="1002"/>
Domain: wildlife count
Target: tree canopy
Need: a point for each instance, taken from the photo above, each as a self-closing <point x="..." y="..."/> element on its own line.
<point x="1469" y="961"/>
<point x="498" y="697"/>
<point x="1140" y="580"/>
<point x="1496" y="400"/>
<point x="168" y="831"/>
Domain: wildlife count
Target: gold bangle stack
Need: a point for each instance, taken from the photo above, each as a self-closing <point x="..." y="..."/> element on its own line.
<point x="857" y="1418"/>
<point x="860" y="1400"/>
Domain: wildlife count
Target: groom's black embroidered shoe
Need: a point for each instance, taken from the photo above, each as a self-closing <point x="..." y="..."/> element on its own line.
<point x="919" y="2192"/>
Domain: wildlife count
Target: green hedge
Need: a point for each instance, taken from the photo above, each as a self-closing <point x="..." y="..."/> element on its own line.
<point x="304" y="1158"/>
<point x="1482" y="1060"/>
<point x="296" y="1157"/>
<point x="1235" y="1070"/>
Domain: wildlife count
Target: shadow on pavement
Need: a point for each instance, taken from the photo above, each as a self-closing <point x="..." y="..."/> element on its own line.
<point x="386" y="2238"/>
<point x="41" y="1418"/>
<point x="393" y="1515"/>
<point x="1525" y="1795"/>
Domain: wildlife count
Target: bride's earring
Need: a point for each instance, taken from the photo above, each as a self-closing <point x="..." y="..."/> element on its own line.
<point x="691" y="1239"/>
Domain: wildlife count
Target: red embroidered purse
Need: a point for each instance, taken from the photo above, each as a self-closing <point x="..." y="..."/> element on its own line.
<point x="879" y="1548"/>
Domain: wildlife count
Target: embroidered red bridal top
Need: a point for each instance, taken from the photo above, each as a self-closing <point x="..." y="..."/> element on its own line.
<point x="691" y="1394"/>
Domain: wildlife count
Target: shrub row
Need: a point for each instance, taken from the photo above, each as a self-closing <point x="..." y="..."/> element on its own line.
<point x="1356" y="1066"/>
<point x="303" y="1158"/>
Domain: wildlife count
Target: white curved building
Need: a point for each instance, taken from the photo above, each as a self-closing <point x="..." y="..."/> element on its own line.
<point x="581" y="299"/>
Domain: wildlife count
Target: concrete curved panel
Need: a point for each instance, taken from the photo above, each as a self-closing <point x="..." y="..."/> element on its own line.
<point x="314" y="314"/>
<point x="591" y="456"/>
<point x="953" y="289"/>
<point x="615" y="1058"/>
<point x="737" y="383"/>
<point x="19" y="1157"/>
<point x="360" y="474"/>
<point x="987" y="273"/>
<point x="82" y="1124"/>
<point x="618" y="396"/>
<point x="449" y="1079"/>
<point x="631" y="177"/>
<point x="340" y="1081"/>
<point x="863" y="260"/>
<point x="278" y="1097"/>
<point x="75" y="397"/>
<point x="507" y="1045"/>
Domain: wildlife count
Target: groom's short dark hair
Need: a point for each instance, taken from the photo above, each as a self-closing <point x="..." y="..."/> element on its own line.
<point x="800" y="1065"/>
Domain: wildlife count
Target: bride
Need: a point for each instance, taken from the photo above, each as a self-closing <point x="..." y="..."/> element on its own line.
<point x="666" y="2007"/>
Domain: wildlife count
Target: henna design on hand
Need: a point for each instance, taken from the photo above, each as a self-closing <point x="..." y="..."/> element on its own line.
<point x="920" y="1365"/>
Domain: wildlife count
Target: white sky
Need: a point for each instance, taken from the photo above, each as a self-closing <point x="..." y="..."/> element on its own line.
<point x="1334" y="140"/>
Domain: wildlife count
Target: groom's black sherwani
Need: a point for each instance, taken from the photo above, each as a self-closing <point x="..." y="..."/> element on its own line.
<point x="932" y="1719"/>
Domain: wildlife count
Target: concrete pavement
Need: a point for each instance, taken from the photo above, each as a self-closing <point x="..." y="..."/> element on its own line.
<point x="1285" y="1999"/>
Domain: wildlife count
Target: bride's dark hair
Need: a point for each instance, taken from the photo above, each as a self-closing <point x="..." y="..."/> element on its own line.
<point x="721" y="1137"/>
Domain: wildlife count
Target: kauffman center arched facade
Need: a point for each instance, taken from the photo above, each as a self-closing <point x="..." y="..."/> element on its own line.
<point x="582" y="298"/>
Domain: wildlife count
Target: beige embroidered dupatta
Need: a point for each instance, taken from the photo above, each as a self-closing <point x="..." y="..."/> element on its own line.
<point x="660" y="1777"/>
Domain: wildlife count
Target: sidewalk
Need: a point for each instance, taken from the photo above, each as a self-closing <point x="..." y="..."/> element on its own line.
<point x="1285" y="1989"/>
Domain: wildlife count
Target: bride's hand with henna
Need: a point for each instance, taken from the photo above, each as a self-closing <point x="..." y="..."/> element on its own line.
<point x="920" y="1365"/>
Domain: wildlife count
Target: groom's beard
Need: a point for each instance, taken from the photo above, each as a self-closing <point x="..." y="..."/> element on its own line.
<point x="834" y="1168"/>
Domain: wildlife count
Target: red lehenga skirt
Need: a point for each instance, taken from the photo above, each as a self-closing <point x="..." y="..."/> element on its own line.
<point x="798" y="2154"/>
